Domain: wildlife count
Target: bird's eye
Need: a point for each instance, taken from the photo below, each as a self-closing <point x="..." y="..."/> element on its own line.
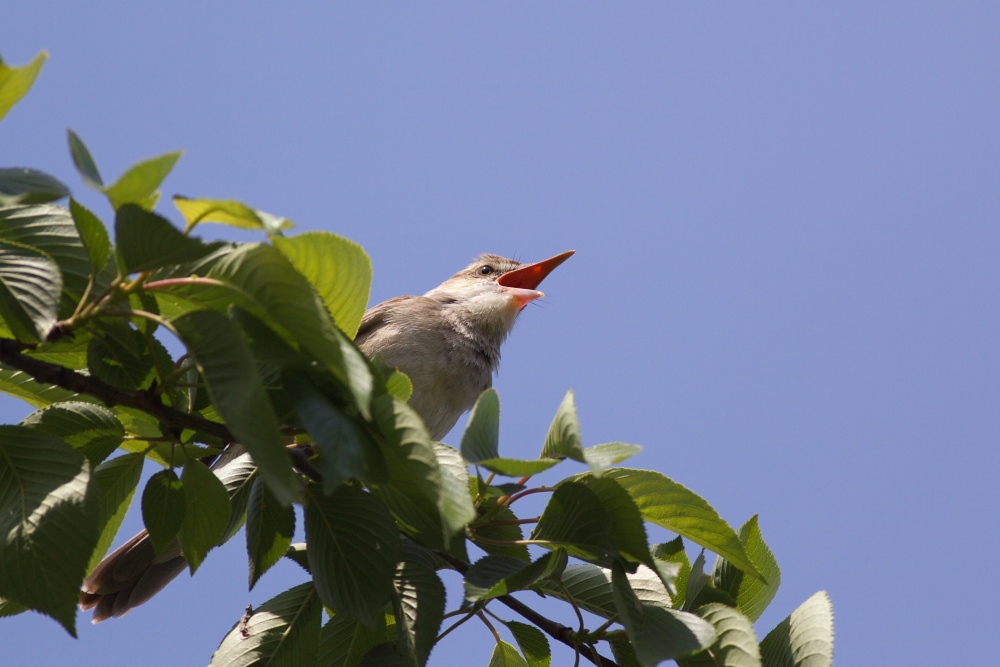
<point x="485" y="270"/>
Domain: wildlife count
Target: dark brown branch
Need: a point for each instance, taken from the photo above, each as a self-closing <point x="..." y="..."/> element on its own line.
<point x="559" y="632"/>
<point x="12" y="356"/>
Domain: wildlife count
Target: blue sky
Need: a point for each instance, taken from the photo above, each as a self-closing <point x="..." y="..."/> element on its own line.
<point x="787" y="236"/>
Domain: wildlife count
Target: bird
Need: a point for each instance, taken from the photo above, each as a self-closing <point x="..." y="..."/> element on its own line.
<point x="447" y="341"/>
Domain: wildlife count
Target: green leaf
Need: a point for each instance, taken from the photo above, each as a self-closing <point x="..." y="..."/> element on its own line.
<point x="119" y="355"/>
<point x="628" y="532"/>
<point x="575" y="520"/>
<point x="564" y="439"/>
<point x="340" y="271"/>
<point x="624" y="653"/>
<point x="399" y="385"/>
<point x="163" y="508"/>
<point x="668" y="504"/>
<point x="455" y="502"/>
<point x="11" y="608"/>
<point x="270" y="527"/>
<point x="673" y="553"/>
<point x="804" y="639"/>
<point x="117" y="481"/>
<point x="70" y="352"/>
<point x="93" y="234"/>
<point x="15" y="82"/>
<point x="419" y="602"/>
<point x="481" y="440"/>
<point x="140" y="183"/>
<point x="92" y="429"/>
<point x="657" y="632"/>
<point x="517" y="467"/>
<point x="504" y="533"/>
<point x="19" y="185"/>
<point x="344" y="641"/>
<point x="229" y="212"/>
<point x="751" y="594"/>
<point x="84" y="161"/>
<point x="30" y="287"/>
<point x="505" y="655"/>
<point x="238" y="473"/>
<point x="602" y="457"/>
<point x="589" y="586"/>
<point x="146" y="241"/>
<point x="48" y="522"/>
<point x="51" y="230"/>
<point x="282" y="632"/>
<point x="493" y="576"/>
<point x="236" y="390"/>
<point x="346" y="449"/>
<point x="735" y="644"/>
<point x="38" y="394"/>
<point x="205" y="524"/>
<point x="263" y="274"/>
<point x="353" y="550"/>
<point x="415" y="493"/>
<point x="533" y="643"/>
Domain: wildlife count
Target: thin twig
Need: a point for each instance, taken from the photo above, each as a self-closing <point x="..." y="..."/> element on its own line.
<point x="557" y="631"/>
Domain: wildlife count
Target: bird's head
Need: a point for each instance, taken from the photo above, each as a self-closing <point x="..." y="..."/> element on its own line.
<point x="493" y="289"/>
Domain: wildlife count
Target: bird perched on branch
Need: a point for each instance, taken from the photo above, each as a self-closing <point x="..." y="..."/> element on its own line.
<point x="447" y="341"/>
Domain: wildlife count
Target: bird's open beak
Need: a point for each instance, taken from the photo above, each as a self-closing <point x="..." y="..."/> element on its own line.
<point x="522" y="283"/>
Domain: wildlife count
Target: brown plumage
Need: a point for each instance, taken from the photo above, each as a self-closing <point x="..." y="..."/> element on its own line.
<point x="447" y="341"/>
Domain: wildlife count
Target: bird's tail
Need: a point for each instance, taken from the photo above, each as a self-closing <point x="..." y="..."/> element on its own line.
<point x="134" y="573"/>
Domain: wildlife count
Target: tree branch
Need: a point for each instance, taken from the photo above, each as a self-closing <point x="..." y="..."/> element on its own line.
<point x="559" y="632"/>
<point x="11" y="355"/>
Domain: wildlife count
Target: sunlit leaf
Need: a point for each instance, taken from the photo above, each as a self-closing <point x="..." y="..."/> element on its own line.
<point x="668" y="504"/>
<point x="15" y="82"/>
<point x="340" y="271"/>
<point x="267" y="277"/>
<point x="505" y="655"/>
<point x="804" y="639"/>
<point x="228" y="212"/>
<point x="140" y="183"/>
<point x="751" y="594"/>
<point x="533" y="643"/>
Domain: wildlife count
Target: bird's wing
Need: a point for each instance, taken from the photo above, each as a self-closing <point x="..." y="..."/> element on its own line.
<point x="376" y="316"/>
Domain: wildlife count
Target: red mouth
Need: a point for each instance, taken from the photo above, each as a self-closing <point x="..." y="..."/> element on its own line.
<point x="531" y="276"/>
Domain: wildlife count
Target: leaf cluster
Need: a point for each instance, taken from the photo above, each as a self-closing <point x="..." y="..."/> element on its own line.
<point x="232" y="367"/>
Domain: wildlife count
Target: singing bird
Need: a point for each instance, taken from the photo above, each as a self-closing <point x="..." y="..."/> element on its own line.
<point x="447" y="341"/>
